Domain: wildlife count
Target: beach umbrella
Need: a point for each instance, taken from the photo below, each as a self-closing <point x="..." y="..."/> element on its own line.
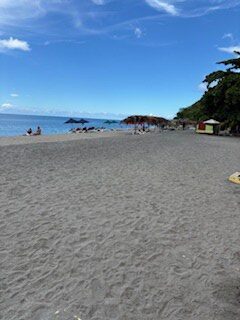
<point x="71" y="120"/>
<point x="150" y="120"/>
<point x="83" y="121"/>
<point x="136" y="119"/>
<point x="110" y="121"/>
<point x="142" y="120"/>
<point x="132" y="120"/>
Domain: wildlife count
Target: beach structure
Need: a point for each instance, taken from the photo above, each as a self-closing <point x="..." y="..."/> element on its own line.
<point x="210" y="126"/>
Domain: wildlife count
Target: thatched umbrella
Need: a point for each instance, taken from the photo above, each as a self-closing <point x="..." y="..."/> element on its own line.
<point x="141" y="120"/>
<point x="133" y="120"/>
<point x="157" y="121"/>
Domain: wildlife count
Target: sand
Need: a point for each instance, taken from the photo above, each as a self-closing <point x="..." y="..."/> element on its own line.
<point x="17" y="140"/>
<point x="122" y="227"/>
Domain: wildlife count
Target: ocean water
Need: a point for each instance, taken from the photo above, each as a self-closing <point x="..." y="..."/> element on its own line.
<point x="15" y="125"/>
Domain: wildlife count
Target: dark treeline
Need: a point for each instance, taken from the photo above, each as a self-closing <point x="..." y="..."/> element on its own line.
<point x="221" y="100"/>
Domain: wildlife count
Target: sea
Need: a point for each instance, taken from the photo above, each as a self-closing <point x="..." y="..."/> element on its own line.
<point x="17" y="125"/>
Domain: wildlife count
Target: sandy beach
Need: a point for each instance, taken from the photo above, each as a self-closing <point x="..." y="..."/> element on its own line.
<point x="19" y="140"/>
<point x="119" y="227"/>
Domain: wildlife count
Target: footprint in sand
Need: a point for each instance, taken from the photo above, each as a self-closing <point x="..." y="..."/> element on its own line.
<point x="98" y="290"/>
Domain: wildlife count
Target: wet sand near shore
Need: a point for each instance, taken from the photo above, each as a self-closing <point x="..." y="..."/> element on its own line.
<point x="17" y="140"/>
<point x="120" y="228"/>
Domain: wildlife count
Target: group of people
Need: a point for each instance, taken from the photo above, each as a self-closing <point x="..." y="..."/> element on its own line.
<point x="38" y="132"/>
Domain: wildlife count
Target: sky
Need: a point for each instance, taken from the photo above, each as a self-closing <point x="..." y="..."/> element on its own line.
<point x="111" y="58"/>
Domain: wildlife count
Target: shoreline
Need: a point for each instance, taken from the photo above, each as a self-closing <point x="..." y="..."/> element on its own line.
<point x="22" y="140"/>
<point x="64" y="137"/>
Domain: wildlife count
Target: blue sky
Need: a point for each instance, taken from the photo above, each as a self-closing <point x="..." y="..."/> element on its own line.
<point x="111" y="58"/>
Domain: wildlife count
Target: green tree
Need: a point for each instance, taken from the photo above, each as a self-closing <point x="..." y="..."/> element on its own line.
<point x="222" y="98"/>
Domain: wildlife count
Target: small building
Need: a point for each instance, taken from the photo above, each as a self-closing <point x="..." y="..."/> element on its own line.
<point x="208" y="127"/>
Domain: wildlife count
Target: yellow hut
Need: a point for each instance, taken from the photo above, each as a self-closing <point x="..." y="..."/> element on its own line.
<point x="208" y="127"/>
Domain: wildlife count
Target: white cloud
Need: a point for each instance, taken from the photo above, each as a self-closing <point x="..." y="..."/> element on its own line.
<point x="202" y="87"/>
<point x="89" y="17"/>
<point x="13" y="44"/>
<point x="161" y="5"/>
<point x="14" y="95"/>
<point x="13" y="11"/>
<point x="228" y="36"/>
<point x="99" y="2"/>
<point x="138" y="32"/>
<point x="230" y="49"/>
<point x="6" y="106"/>
<point x="48" y="43"/>
<point x="23" y="13"/>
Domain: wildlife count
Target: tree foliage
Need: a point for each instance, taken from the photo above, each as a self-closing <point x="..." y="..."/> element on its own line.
<point x="221" y="101"/>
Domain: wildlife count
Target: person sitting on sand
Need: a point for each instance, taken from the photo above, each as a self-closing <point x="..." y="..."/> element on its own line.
<point x="38" y="132"/>
<point x="29" y="132"/>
